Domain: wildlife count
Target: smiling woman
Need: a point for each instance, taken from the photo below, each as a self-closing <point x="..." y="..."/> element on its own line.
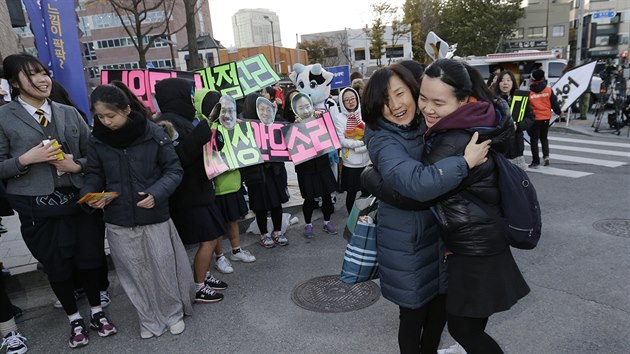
<point x="394" y="138"/>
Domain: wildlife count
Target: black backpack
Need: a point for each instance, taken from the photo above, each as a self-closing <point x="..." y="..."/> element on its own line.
<point x="521" y="210"/>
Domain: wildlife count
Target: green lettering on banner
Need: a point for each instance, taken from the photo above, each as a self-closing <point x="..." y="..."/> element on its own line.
<point x="223" y="79"/>
<point x="241" y="149"/>
<point x="255" y="73"/>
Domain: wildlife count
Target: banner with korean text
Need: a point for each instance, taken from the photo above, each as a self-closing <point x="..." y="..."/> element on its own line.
<point x="142" y="82"/>
<point x="270" y="141"/>
<point x="239" y="150"/>
<point x="239" y="78"/>
<point x="54" y="26"/>
<point x="311" y="138"/>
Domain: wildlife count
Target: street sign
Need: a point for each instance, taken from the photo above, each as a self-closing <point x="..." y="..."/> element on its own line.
<point x="604" y="14"/>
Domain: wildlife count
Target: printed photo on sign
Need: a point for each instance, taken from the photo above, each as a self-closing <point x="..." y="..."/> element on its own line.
<point x="270" y="141"/>
<point x="302" y="106"/>
<point x="311" y="138"/>
<point x="227" y="112"/>
<point x="265" y="110"/>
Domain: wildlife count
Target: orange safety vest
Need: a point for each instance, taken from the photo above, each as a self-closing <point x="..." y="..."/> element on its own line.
<point x="541" y="103"/>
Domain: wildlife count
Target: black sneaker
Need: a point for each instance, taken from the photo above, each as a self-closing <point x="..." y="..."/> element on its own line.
<point x="3" y="229"/>
<point x="101" y="324"/>
<point x="534" y="165"/>
<point x="17" y="312"/>
<point x="15" y="343"/>
<point x="206" y="295"/>
<point x="545" y="161"/>
<point x="215" y="283"/>
<point x="78" y="334"/>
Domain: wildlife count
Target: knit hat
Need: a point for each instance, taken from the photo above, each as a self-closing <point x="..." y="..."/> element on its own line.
<point x="538" y="75"/>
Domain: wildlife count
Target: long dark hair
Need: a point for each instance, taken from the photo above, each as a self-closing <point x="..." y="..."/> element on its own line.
<point x="375" y="96"/>
<point x="14" y="64"/>
<point x="503" y="73"/>
<point x="113" y="97"/>
<point x="464" y="79"/>
<point x="289" y="115"/>
<point x="249" y="112"/>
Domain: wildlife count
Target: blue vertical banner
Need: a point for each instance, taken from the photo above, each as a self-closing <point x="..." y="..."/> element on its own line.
<point x="342" y="76"/>
<point x="54" y="25"/>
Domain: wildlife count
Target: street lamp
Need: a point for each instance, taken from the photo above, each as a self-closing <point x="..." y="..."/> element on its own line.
<point x="273" y="40"/>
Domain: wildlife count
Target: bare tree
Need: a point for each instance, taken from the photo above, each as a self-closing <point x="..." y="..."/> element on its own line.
<point x="191" y="33"/>
<point x="315" y="49"/>
<point x="399" y="29"/>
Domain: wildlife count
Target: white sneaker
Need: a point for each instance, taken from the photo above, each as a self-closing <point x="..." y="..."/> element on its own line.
<point x="243" y="256"/>
<point x="223" y="265"/>
<point x="453" y="349"/>
<point x="178" y="327"/>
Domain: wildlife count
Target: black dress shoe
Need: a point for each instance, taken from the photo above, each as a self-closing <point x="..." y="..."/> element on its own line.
<point x="17" y="312"/>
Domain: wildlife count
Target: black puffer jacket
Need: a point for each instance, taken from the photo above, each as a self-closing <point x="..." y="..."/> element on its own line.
<point x="467" y="229"/>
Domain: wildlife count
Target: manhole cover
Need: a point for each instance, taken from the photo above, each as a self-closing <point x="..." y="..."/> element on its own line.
<point x="329" y="294"/>
<point x="615" y="227"/>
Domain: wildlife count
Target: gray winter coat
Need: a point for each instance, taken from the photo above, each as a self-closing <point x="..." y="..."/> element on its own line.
<point x="409" y="253"/>
<point x="148" y="165"/>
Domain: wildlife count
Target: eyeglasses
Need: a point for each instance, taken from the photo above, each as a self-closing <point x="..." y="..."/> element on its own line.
<point x="349" y="100"/>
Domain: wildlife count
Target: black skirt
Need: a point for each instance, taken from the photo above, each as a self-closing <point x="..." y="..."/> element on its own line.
<point x="479" y="286"/>
<point x="272" y="193"/>
<point x="232" y="205"/>
<point x="199" y="224"/>
<point x="351" y="179"/>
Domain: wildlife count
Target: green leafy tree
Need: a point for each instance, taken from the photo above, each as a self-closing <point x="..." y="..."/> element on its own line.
<point x="422" y="16"/>
<point x="383" y="14"/>
<point x="477" y="26"/>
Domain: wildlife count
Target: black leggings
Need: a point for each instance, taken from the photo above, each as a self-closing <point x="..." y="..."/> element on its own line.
<point x="64" y="290"/>
<point x="470" y="333"/>
<point x="539" y="131"/>
<point x="6" y="310"/>
<point x="421" y="329"/>
<point x="276" y="219"/>
<point x="310" y="205"/>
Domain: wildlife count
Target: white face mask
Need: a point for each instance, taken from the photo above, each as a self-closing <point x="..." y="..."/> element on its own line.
<point x="227" y="113"/>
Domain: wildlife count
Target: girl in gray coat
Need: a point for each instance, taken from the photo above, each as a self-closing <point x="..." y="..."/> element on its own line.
<point x="409" y="253"/>
<point x="135" y="158"/>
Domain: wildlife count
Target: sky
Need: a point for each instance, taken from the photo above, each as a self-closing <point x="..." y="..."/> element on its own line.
<point x="295" y="16"/>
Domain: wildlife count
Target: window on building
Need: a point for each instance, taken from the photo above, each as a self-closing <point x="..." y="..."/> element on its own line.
<point x="88" y="51"/>
<point x="557" y="31"/>
<point x="395" y="52"/>
<point x="359" y="54"/>
<point x="537" y="32"/>
<point x="519" y="33"/>
<point x="623" y="39"/>
<point x="602" y="40"/>
<point x="94" y="72"/>
<point x="23" y="32"/>
<point x="330" y="52"/>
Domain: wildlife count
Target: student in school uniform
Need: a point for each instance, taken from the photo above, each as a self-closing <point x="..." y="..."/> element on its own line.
<point x="43" y="182"/>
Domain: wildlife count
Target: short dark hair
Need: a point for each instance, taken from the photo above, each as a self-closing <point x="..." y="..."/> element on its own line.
<point x="417" y="69"/>
<point x="375" y="96"/>
<point x="465" y="80"/>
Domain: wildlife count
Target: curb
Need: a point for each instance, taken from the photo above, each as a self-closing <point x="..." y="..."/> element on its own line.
<point x="20" y="283"/>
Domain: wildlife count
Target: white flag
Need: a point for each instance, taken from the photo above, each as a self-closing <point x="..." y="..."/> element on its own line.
<point x="435" y="46"/>
<point x="573" y="84"/>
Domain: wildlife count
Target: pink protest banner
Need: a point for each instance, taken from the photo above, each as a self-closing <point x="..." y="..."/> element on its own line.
<point x="311" y="138"/>
<point x="239" y="150"/>
<point x="212" y="160"/>
<point x="270" y="141"/>
<point x="142" y="82"/>
<point x="136" y="80"/>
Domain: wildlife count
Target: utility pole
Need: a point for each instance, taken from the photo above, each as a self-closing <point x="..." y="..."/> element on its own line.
<point x="273" y="40"/>
<point x="578" y="48"/>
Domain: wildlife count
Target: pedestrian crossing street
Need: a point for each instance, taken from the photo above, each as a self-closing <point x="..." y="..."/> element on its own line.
<point x="573" y="154"/>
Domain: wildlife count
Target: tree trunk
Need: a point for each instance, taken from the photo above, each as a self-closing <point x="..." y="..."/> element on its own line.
<point x="191" y="32"/>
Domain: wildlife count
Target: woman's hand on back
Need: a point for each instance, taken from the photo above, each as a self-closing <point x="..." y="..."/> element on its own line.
<point x="475" y="154"/>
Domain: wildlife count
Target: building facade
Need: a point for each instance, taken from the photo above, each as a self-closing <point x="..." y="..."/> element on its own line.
<point x="107" y="45"/>
<point x="546" y="26"/>
<point x="605" y="29"/>
<point x="256" y="27"/>
<point x="286" y="57"/>
<point x="353" y="47"/>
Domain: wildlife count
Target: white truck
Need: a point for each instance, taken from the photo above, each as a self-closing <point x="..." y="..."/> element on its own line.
<point x="521" y="64"/>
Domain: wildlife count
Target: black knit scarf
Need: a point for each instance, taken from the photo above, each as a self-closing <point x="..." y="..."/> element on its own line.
<point x="124" y="136"/>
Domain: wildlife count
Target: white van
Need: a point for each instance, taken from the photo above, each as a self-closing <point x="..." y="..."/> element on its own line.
<point x="521" y="64"/>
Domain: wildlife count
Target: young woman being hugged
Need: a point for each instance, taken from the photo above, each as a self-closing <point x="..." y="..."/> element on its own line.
<point x="134" y="157"/>
<point x="354" y="155"/>
<point x="483" y="277"/>
<point x="43" y="155"/>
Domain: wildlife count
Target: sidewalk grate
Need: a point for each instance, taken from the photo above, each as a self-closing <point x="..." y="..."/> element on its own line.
<point x="615" y="227"/>
<point x="328" y="294"/>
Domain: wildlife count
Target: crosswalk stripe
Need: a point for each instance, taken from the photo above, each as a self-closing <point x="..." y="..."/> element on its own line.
<point x="584" y="160"/>
<point x="590" y="142"/>
<point x="589" y="150"/>
<point x="558" y="172"/>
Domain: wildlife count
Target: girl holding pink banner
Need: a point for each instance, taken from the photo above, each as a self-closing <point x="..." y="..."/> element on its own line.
<point x="315" y="178"/>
